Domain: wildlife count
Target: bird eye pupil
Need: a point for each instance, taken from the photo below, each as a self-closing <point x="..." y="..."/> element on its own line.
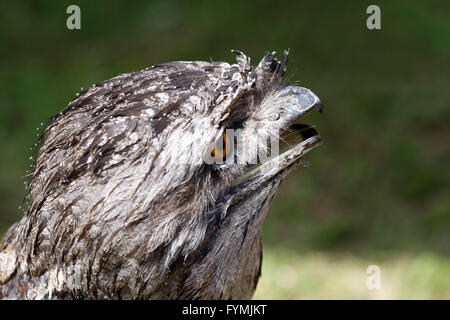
<point x="219" y="150"/>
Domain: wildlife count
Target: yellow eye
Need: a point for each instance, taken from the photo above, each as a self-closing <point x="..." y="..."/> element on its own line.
<point x="221" y="148"/>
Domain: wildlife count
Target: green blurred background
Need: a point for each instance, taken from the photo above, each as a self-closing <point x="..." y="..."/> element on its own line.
<point x="377" y="191"/>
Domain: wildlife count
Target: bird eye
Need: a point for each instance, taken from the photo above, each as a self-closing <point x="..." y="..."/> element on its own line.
<point x="221" y="148"/>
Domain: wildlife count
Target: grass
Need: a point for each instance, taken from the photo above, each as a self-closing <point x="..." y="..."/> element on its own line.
<point x="287" y="274"/>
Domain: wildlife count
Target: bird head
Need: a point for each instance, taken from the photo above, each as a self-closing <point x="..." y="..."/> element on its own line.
<point x="175" y="163"/>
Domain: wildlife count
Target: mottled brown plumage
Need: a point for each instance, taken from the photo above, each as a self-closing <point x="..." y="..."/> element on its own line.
<point x="123" y="204"/>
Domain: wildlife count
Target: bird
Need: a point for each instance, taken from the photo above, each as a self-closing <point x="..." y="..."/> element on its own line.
<point x="137" y="190"/>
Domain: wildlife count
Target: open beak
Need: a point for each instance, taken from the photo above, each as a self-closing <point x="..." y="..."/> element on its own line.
<point x="299" y="102"/>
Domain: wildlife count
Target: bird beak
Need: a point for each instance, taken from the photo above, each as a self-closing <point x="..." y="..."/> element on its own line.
<point x="299" y="102"/>
<point x="281" y="163"/>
